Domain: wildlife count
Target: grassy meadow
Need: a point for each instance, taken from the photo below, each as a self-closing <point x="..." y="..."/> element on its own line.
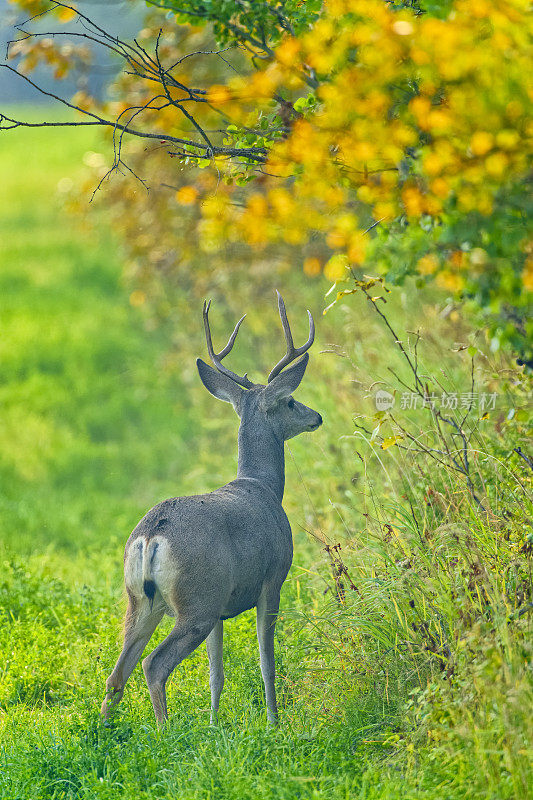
<point x="404" y="642"/>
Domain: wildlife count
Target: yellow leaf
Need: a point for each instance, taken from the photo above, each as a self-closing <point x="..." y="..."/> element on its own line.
<point x="137" y="298"/>
<point x="481" y="143"/>
<point x="389" y="441"/>
<point x="217" y="95"/>
<point x="312" y="266"/>
<point x="428" y="264"/>
<point x="336" y="267"/>
<point x="186" y="196"/>
<point x="339" y="295"/>
<point x="66" y="14"/>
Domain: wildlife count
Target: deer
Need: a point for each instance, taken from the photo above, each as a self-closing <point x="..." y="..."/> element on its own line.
<point x="207" y="558"/>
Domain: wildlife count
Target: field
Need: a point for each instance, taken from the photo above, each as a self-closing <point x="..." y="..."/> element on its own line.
<point x="103" y="416"/>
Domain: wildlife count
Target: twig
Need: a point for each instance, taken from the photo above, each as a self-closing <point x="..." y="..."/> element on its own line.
<point x="527" y="459"/>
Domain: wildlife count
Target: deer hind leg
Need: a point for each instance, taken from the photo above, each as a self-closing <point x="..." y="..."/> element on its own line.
<point x="141" y="621"/>
<point x="216" y="667"/>
<point x="187" y="634"/>
<point x="267" y="612"/>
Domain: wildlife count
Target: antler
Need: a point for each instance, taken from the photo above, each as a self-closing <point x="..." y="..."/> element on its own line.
<point x="216" y="358"/>
<point x="292" y="351"/>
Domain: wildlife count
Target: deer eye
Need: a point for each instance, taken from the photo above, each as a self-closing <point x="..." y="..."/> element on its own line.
<point x="291" y="403"/>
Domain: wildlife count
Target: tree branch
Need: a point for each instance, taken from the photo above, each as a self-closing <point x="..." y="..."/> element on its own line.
<point x="256" y="154"/>
<point x="144" y="66"/>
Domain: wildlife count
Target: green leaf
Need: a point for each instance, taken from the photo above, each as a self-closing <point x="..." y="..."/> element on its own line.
<point x="300" y="104"/>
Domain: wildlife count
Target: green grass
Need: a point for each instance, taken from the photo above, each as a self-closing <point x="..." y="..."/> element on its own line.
<point x="88" y="418"/>
<point x="103" y="416"/>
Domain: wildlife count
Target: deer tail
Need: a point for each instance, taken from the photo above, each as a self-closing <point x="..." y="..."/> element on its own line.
<point x="149" y="554"/>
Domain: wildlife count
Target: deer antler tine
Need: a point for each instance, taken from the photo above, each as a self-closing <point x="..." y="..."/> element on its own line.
<point x="216" y="358"/>
<point x="205" y="312"/>
<point x="292" y="351"/>
<point x="232" y="338"/>
<point x="311" y="338"/>
<point x="285" y="321"/>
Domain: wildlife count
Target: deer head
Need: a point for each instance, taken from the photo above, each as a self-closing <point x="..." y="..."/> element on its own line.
<point x="270" y="405"/>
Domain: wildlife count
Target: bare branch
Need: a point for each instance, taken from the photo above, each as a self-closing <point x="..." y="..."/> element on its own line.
<point x="527" y="459"/>
<point x="144" y="66"/>
<point x="257" y="154"/>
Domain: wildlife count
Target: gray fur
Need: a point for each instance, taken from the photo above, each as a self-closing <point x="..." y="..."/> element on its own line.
<point x="207" y="558"/>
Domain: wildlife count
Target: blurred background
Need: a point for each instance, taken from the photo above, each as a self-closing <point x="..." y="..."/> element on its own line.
<point x="120" y="17"/>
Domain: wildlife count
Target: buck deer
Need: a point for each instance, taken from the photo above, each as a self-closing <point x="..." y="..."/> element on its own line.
<point x="207" y="558"/>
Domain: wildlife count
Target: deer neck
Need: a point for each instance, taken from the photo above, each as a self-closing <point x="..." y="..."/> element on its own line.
<point x="262" y="456"/>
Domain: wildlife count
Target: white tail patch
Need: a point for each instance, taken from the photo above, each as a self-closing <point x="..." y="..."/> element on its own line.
<point x="150" y="559"/>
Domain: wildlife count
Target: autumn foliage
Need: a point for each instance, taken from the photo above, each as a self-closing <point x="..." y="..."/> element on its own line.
<point x="418" y="124"/>
<point x="376" y="139"/>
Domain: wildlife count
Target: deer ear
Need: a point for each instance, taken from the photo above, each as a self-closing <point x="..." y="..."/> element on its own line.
<point x="219" y="384"/>
<point x="285" y="383"/>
